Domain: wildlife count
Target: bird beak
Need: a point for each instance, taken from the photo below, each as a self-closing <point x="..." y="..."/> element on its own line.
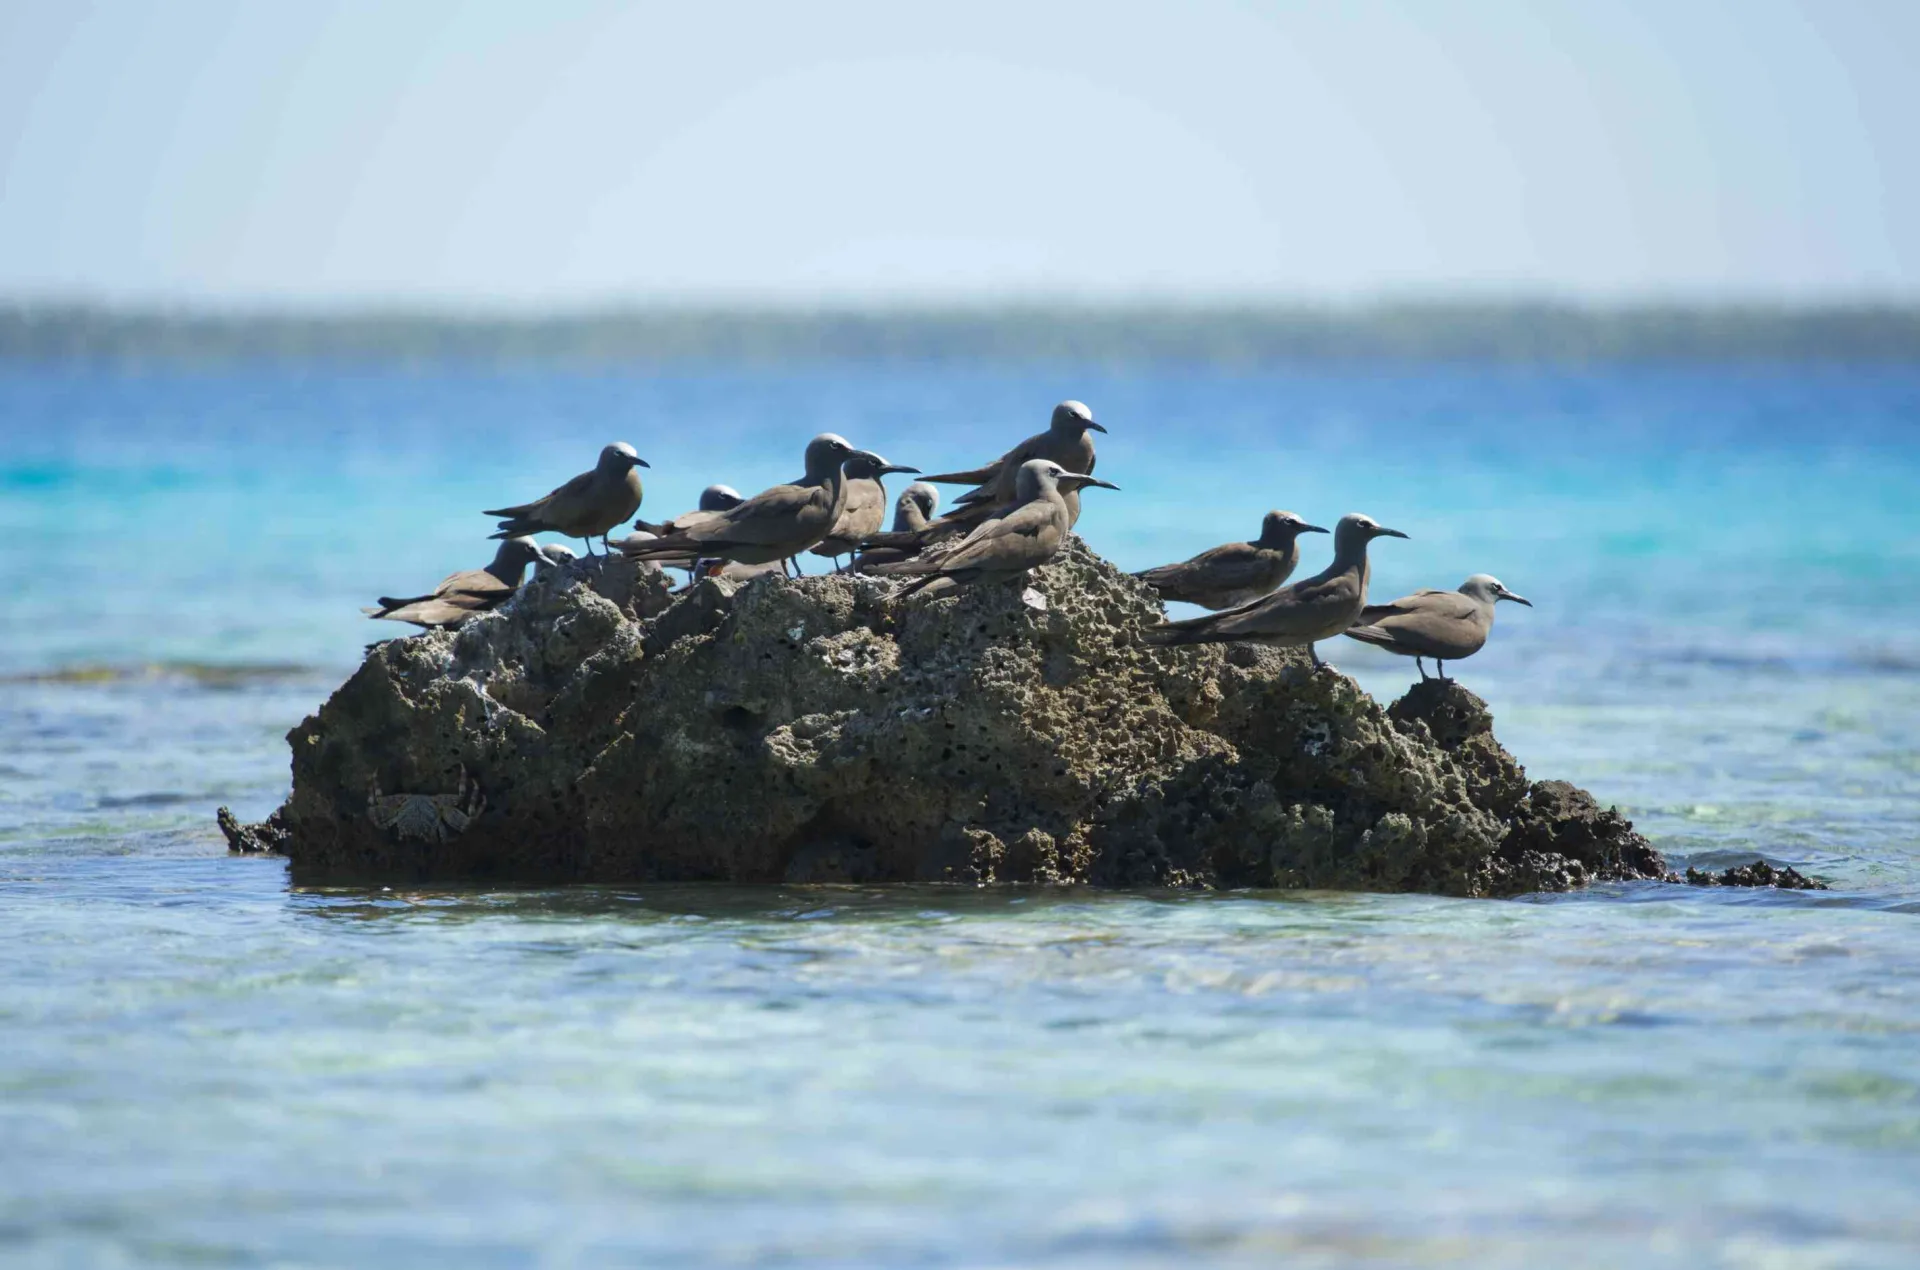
<point x="1312" y="529"/>
<point x="1388" y="533"/>
<point x="1081" y="479"/>
<point x="1517" y="599"/>
<point x="890" y="468"/>
<point x="1096" y="427"/>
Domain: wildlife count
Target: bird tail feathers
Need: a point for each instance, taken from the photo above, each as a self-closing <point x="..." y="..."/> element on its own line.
<point x="1371" y="635"/>
<point x="978" y="476"/>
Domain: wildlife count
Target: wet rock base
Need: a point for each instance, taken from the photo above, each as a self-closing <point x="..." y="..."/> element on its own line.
<point x="818" y="730"/>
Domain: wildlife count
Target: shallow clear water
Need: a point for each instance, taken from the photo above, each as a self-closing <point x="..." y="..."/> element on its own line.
<point x="204" y="1065"/>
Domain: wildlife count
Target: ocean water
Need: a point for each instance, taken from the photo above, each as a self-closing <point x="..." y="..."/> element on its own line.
<point x="203" y="1064"/>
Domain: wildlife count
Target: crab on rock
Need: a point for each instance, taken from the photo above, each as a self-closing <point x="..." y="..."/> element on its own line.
<point x="426" y="817"/>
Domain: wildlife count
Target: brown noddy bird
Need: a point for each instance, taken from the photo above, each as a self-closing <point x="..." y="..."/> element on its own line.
<point x="778" y="522"/>
<point x="1027" y="536"/>
<point x="866" y="507"/>
<point x="912" y="512"/>
<point x="996" y="484"/>
<point x="1444" y="625"/>
<point x="996" y="497"/>
<point x="915" y="507"/>
<point x="585" y="507"/>
<point x="1238" y="573"/>
<point x="714" y="499"/>
<point x="1295" y="616"/>
<point x="461" y="595"/>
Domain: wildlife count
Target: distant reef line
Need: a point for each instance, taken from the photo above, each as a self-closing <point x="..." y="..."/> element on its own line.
<point x="1245" y="335"/>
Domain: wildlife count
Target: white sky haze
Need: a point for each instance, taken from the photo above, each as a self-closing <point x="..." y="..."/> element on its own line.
<point x="567" y="153"/>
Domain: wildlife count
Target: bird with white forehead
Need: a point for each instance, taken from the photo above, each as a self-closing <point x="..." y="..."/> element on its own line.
<point x="587" y="506"/>
<point x="1444" y="625"/>
<point x="1029" y="535"/>
<point x="1237" y="573"/>
<point x="1300" y="615"/>
<point x="779" y="522"/>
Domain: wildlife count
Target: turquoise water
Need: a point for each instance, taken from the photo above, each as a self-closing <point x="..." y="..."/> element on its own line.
<point x="203" y="1064"/>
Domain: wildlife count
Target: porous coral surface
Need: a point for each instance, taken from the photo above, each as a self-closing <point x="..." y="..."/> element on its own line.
<point x="819" y="730"/>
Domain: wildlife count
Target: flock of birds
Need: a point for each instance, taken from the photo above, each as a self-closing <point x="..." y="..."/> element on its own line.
<point x="1015" y="517"/>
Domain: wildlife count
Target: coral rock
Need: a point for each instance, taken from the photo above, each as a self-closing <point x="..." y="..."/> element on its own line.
<point x="820" y="730"/>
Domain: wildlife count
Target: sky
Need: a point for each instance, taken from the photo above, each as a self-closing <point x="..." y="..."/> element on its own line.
<point x="502" y="153"/>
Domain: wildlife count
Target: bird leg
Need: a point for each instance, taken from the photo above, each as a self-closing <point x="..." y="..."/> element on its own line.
<point x="1440" y="668"/>
<point x="799" y="570"/>
<point x="1421" y="667"/>
<point x="1314" y="653"/>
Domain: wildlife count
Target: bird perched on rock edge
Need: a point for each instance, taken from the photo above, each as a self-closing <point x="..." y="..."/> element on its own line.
<point x="777" y="523"/>
<point x="1029" y="535"/>
<point x="460" y="595"/>
<point x="1298" y="615"/>
<point x="587" y="506"/>
<point x="1444" y="625"/>
<point x="1237" y="572"/>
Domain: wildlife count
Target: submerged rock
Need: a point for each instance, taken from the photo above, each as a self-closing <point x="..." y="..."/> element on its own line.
<point x="1759" y="873"/>
<point x="817" y="730"/>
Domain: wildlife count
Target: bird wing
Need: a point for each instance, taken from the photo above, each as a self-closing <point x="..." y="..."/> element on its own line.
<point x="976" y="476"/>
<point x="1028" y="535"/>
<point x="1420" y="602"/>
<point x="993" y="476"/>
<point x="539" y="507"/>
<point x="1442" y="624"/>
<point x="437" y="610"/>
<point x="476" y="582"/>
<point x="1232" y="567"/>
<point x="467" y="582"/>
<point x="1298" y="610"/>
<point x="771" y="518"/>
<point x="685" y="521"/>
<point x="966" y="516"/>
<point x="939" y="555"/>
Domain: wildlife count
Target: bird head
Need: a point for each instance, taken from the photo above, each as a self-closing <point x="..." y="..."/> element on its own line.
<point x="865" y="465"/>
<point x="619" y="457"/>
<point x="720" y="498"/>
<point x="1037" y="476"/>
<point x="518" y="553"/>
<point x="1277" y="529"/>
<point x="1071" y="418"/>
<point x="1485" y="586"/>
<point x="825" y="453"/>
<point x="1355" y="531"/>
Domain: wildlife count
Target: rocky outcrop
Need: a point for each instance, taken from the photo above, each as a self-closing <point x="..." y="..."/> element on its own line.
<point x="818" y="730"/>
<point x="1759" y="873"/>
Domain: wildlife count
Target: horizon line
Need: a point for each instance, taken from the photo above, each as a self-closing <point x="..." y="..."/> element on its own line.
<point x="451" y="307"/>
